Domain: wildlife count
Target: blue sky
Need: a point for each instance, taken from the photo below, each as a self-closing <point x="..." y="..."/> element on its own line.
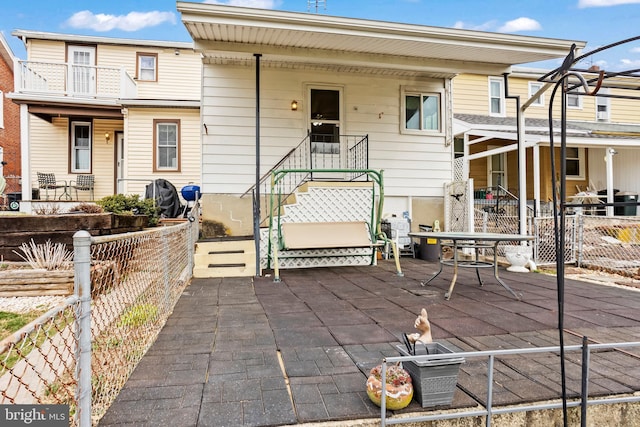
<point x="597" y="22"/>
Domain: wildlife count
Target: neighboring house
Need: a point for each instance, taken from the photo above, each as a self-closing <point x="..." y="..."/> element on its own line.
<point x="328" y="77"/>
<point x="125" y="111"/>
<point x="9" y="123"/>
<point x="597" y="127"/>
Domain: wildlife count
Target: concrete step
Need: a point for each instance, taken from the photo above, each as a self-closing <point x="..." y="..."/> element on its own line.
<point x="225" y="258"/>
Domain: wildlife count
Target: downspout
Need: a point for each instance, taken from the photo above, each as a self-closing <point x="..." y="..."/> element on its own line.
<point x="522" y="159"/>
<point x="256" y="194"/>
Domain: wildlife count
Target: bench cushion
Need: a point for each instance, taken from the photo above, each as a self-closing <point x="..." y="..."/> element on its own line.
<point x="320" y="235"/>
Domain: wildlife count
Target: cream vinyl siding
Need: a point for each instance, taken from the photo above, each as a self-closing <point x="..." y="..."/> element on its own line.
<point x="139" y="147"/>
<point x="624" y="110"/>
<point x="178" y="75"/>
<point x="414" y="165"/>
<point x="103" y="157"/>
<point x="471" y="94"/>
<point x="46" y="51"/>
<point x="49" y="149"/>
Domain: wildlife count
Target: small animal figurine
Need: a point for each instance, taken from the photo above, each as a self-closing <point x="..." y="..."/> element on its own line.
<point x="422" y="324"/>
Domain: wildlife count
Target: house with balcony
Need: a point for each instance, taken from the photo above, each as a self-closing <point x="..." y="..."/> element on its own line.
<point x="9" y="129"/>
<point x="320" y="99"/>
<point x="123" y="112"/>
<point x="602" y="137"/>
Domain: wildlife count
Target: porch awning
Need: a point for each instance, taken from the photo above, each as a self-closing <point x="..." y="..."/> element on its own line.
<point x="320" y="39"/>
<point x="583" y="134"/>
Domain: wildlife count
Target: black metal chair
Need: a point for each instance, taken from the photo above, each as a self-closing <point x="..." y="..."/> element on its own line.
<point x="83" y="183"/>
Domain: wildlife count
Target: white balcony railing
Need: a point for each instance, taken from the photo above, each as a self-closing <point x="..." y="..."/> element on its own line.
<point x="83" y="81"/>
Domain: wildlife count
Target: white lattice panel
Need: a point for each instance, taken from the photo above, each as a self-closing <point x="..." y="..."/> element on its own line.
<point x="458" y="206"/>
<point x="330" y="204"/>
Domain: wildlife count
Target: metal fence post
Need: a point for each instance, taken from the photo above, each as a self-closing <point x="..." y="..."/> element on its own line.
<point x="165" y="271"/>
<point x="82" y="288"/>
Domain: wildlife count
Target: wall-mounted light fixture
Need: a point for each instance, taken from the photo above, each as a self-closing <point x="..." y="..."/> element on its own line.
<point x="294" y="105"/>
<point x="107" y="137"/>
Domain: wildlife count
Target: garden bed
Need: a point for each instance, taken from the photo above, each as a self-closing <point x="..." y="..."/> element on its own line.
<point x="21" y="229"/>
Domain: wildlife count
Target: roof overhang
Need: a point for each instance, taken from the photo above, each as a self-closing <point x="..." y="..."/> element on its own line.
<point x="578" y="135"/>
<point x="26" y="35"/>
<point x="5" y="52"/>
<point x="67" y="107"/>
<point x="159" y="103"/>
<point x="229" y="31"/>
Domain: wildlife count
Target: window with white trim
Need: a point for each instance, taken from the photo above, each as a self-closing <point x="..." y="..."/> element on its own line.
<point x="458" y="147"/>
<point x="575" y="163"/>
<point x="574" y="101"/>
<point x="534" y="87"/>
<point x="602" y="105"/>
<point x="81" y="147"/>
<point x="147" y="67"/>
<point x="496" y="96"/>
<point x="422" y="111"/>
<point x="167" y="145"/>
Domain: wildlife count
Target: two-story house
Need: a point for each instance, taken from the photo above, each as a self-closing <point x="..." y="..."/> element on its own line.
<point x="310" y="90"/>
<point x="328" y="77"/>
<point x="9" y="128"/>
<point x="124" y="111"/>
<point x="602" y="135"/>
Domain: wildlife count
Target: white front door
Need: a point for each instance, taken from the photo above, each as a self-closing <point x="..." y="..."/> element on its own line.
<point x="324" y="118"/>
<point x="496" y="169"/>
<point x="120" y="159"/>
<point x="82" y="71"/>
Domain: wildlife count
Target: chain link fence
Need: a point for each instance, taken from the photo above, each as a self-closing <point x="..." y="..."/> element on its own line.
<point x="82" y="352"/>
<point x="610" y="244"/>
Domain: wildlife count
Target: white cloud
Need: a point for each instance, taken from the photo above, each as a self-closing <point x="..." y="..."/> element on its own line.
<point x="520" y="24"/>
<point x="604" y="3"/>
<point x="132" y="21"/>
<point x="260" y="4"/>
<point x="630" y="63"/>
<point x="635" y="50"/>
<point x="487" y="26"/>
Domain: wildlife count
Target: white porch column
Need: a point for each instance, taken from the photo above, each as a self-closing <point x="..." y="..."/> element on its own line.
<point x="608" y="159"/>
<point x="25" y="159"/>
<point x="536" y="177"/>
<point x="522" y="174"/>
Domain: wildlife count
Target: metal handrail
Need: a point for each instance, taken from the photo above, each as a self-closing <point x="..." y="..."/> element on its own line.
<point x="488" y="410"/>
<point x="301" y="158"/>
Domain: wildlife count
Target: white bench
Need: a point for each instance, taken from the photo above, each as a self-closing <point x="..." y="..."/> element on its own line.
<point x="328" y="235"/>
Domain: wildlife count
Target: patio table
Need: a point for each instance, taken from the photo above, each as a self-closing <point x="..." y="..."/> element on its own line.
<point x="470" y="240"/>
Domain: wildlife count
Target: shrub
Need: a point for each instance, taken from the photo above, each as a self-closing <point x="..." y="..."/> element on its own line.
<point x="87" y="208"/>
<point x="47" y="209"/>
<point x="50" y="256"/>
<point x="130" y="205"/>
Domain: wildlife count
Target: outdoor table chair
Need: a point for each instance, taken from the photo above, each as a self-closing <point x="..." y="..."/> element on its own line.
<point x="83" y="183"/>
<point x="48" y="181"/>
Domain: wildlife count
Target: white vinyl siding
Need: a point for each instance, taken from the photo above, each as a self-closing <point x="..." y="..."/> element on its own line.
<point x="372" y="107"/>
